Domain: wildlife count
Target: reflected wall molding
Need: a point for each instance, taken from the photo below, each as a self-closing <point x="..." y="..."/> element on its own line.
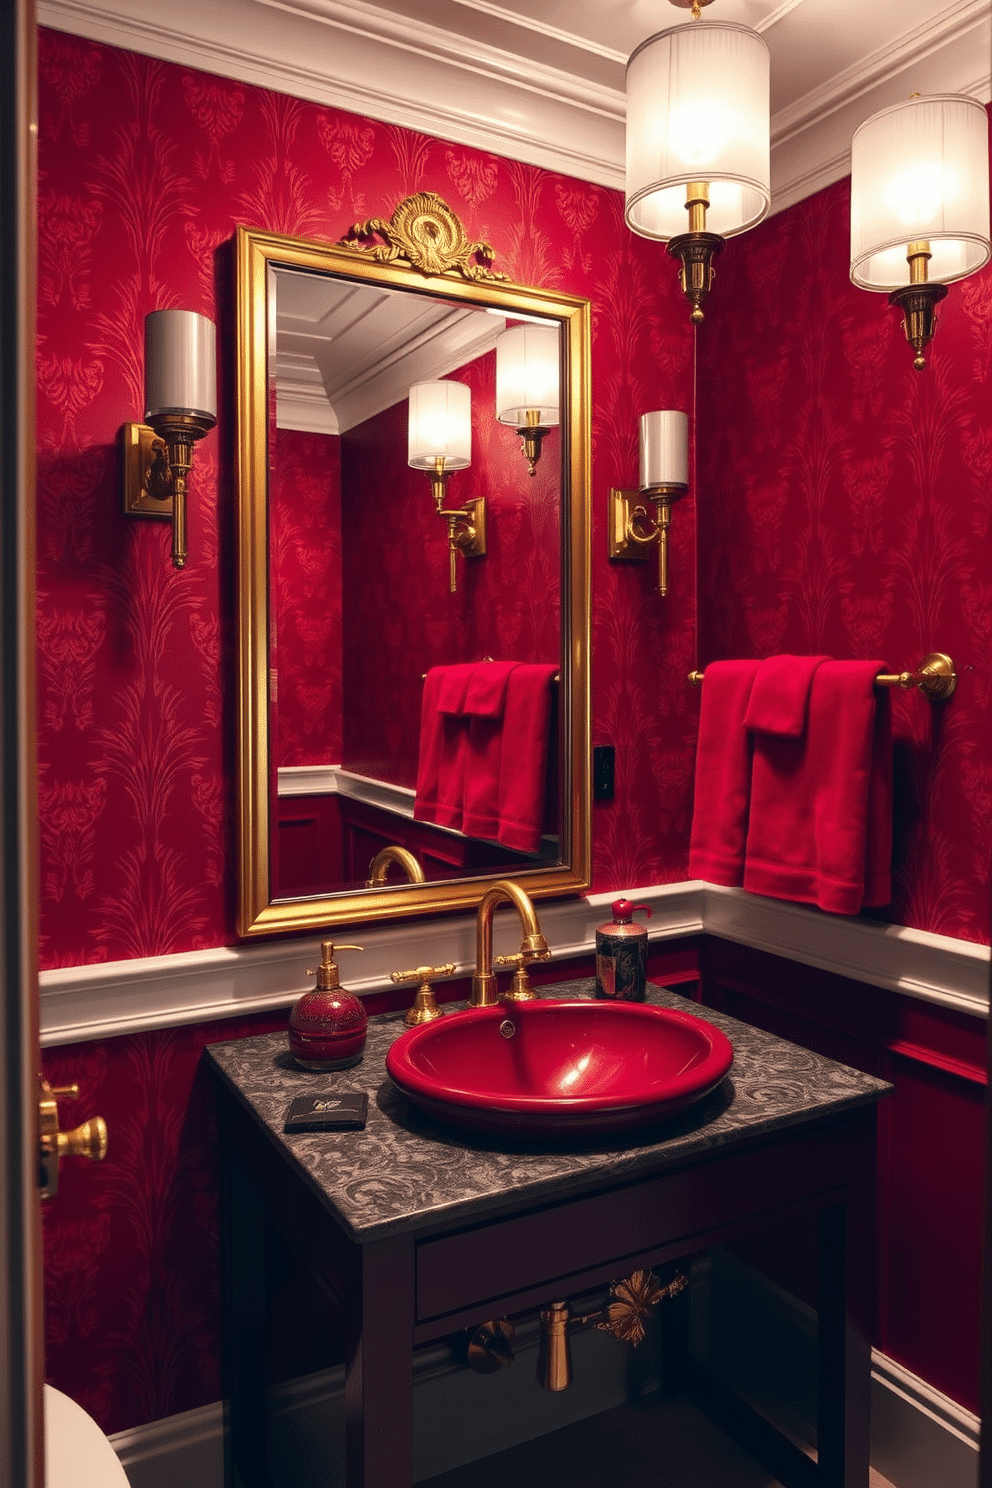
<point x="107" y="999"/>
<point x="388" y="67"/>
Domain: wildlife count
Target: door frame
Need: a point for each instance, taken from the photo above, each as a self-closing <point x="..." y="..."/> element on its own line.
<point x="21" y="1333"/>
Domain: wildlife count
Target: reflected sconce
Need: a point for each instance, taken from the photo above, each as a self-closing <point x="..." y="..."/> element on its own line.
<point x="698" y="142"/>
<point x="920" y="205"/>
<point x="440" y="441"/>
<point x="527" y="384"/>
<point x="664" y="478"/>
<point x="180" y="408"/>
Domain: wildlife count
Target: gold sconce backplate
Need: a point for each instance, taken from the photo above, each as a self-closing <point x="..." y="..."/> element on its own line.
<point x="472" y="542"/>
<point x="623" y="506"/>
<point x="140" y="447"/>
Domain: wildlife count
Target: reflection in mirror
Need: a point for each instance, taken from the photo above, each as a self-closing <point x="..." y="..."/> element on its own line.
<point x="414" y="718"/>
<point x="417" y="703"/>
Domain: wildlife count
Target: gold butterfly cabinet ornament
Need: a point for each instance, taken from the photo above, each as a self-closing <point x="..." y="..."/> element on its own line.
<point x="632" y="1301"/>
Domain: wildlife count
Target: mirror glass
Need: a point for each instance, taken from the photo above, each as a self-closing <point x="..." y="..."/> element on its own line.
<point x="411" y="680"/>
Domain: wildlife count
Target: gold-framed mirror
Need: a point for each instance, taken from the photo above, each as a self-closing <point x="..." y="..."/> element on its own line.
<point x="358" y="609"/>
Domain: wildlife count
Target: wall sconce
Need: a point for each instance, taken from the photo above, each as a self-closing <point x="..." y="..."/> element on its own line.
<point x="664" y="478"/>
<point x="920" y="205"/>
<point x="180" y="407"/>
<point x="440" y="441"/>
<point x="698" y="141"/>
<point x="527" y="382"/>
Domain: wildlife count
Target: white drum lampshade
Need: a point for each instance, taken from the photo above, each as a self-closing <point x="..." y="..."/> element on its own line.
<point x="664" y="449"/>
<point x="528" y="375"/>
<point x="920" y="173"/>
<point x="698" y="110"/>
<point x="440" y="425"/>
<point x="180" y="365"/>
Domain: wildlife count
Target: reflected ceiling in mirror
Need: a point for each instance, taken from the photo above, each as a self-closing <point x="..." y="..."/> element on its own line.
<point x="413" y="640"/>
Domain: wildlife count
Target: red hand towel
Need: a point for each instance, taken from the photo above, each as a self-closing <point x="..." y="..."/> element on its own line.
<point x="484" y="702"/>
<point x="780" y="695"/>
<point x="524" y="758"/>
<point x="485" y="696"/>
<point x="821" y="805"/>
<point x="443" y="741"/>
<point x="723" y="774"/>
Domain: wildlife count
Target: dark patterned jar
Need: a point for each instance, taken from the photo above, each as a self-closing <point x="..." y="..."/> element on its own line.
<point x="622" y="955"/>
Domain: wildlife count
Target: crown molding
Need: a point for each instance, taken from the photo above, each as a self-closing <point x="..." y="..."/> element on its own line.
<point x="880" y="67"/>
<point x="354" y="56"/>
<point x="422" y="40"/>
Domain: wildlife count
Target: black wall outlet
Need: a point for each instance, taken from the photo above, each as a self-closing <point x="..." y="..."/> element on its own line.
<point x="603" y="756"/>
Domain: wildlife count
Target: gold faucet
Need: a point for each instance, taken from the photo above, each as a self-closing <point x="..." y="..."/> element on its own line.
<point x="379" y="866"/>
<point x="533" y="946"/>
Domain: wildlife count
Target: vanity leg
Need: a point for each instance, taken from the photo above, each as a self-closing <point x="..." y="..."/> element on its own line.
<point x="245" y="1331"/>
<point x="378" y="1387"/>
<point x="846" y="1313"/>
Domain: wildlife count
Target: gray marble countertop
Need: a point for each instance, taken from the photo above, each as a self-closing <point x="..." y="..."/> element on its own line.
<point x="406" y="1171"/>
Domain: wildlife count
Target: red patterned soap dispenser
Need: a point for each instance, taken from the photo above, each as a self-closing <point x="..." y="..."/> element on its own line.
<point x="622" y="955"/>
<point x="328" y="1026"/>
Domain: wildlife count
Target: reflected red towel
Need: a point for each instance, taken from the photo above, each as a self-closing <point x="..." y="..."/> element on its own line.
<point x="723" y="774"/>
<point x="780" y="695"/>
<point x="821" y="805"/>
<point x="524" y="758"/>
<point x="443" y="746"/>
<point x="485" y="700"/>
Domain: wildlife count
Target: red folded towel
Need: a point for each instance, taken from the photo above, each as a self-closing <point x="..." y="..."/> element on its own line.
<point x="821" y="805"/>
<point x="485" y="701"/>
<point x="524" y="757"/>
<point x="443" y="745"/>
<point x="485" y="695"/>
<point x="723" y="774"/>
<point x="780" y="695"/>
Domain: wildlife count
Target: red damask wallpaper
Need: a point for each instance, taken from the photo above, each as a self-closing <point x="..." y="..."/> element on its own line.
<point x="305" y="557"/>
<point x="845" y="505"/>
<point x="400" y="617"/>
<point x="145" y="170"/>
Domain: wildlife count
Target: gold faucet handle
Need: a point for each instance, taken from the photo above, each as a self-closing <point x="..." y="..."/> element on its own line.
<point x="520" y="989"/>
<point x="425" y="1008"/>
<point x="424" y="974"/>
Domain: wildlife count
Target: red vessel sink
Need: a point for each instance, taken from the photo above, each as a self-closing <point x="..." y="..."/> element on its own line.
<point x="544" y="1067"/>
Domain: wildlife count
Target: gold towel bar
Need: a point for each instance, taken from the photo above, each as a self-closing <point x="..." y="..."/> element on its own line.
<point x="557" y="675"/>
<point x="935" y="677"/>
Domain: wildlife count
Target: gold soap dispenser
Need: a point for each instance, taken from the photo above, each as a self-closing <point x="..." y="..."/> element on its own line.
<point x="328" y="1026"/>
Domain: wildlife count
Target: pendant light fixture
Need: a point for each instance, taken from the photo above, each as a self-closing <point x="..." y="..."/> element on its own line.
<point x="920" y="204"/>
<point x="698" y="141"/>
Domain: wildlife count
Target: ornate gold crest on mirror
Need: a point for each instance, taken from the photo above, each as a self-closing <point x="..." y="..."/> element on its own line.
<point x="424" y="232"/>
<point x="410" y="694"/>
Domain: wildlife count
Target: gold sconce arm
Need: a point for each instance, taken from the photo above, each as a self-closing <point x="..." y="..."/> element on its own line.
<point x="532" y="434"/>
<point x="157" y="462"/>
<point x="627" y="511"/>
<point x="696" y="250"/>
<point x="466" y="524"/>
<point x="918" y="301"/>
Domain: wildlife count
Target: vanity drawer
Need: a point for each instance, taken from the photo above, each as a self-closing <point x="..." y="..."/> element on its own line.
<point x="689" y="1208"/>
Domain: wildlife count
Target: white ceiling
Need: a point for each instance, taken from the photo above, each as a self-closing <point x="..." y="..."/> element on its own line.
<point x="542" y="80"/>
<point x="346" y="351"/>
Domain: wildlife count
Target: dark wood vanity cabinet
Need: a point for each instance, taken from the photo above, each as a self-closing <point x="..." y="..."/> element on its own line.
<point x="421" y="1234"/>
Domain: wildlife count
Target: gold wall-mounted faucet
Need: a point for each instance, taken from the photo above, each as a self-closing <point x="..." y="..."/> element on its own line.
<point x="533" y="946"/>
